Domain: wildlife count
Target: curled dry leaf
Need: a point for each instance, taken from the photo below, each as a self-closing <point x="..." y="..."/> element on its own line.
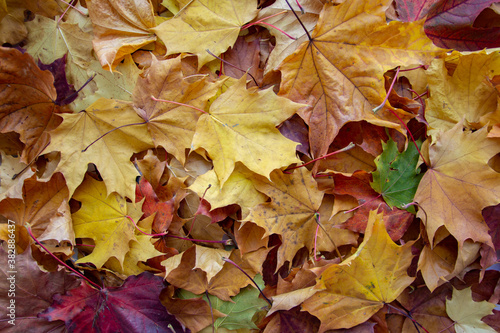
<point x="28" y="96"/>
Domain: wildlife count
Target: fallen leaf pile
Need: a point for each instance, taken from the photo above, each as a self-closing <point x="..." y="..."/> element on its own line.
<point x="243" y="165"/>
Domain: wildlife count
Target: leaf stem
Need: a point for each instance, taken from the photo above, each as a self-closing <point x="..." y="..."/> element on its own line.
<point x="420" y="207"/>
<point x="63" y="102"/>
<point x="302" y="24"/>
<point x="346" y="148"/>
<point x="255" y="283"/>
<point x="407" y="314"/>
<point x="395" y="114"/>
<point x="315" y="243"/>
<point x="447" y="327"/>
<point x="178" y="103"/>
<point x="246" y="26"/>
<point x="59" y="260"/>
<point x="275" y="27"/>
<point x="211" y="311"/>
<point x="72" y="6"/>
<point x="364" y="203"/>
<point x="108" y="132"/>
<point x="300" y="7"/>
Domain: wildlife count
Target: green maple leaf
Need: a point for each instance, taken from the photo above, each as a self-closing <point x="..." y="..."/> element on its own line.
<point x="397" y="176"/>
<point x="240" y="312"/>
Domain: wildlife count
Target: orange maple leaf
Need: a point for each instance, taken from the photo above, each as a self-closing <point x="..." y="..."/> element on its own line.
<point x="340" y="70"/>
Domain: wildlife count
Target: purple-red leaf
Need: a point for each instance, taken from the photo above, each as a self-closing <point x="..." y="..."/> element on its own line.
<point x="133" y="307"/>
<point x="66" y="93"/>
<point x="449" y="24"/>
<point x="413" y="10"/>
<point x="25" y="290"/>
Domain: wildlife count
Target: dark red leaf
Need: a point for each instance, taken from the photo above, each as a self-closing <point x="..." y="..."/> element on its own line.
<point x="396" y="220"/>
<point x="296" y="130"/>
<point x="449" y="24"/>
<point x="33" y="293"/>
<point x="133" y="307"/>
<point x="492" y="218"/>
<point x="295" y="320"/>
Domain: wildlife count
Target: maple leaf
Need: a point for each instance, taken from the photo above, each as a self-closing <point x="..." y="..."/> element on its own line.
<point x="358" y="186"/>
<point x="459" y="184"/>
<point x="467" y="314"/>
<point x="397" y="176"/>
<point x="340" y="70"/>
<point x="288" y="22"/>
<point x="13" y="16"/>
<point x="163" y="211"/>
<point x="245" y="54"/>
<point x="28" y="97"/>
<point x="428" y="309"/>
<point x="205" y="24"/>
<point x="49" y="41"/>
<point x="241" y="127"/>
<point x="450" y="25"/>
<point x="104" y="219"/>
<point x="194" y="313"/>
<point x="239" y="310"/>
<point x="464" y="94"/>
<point x="39" y="210"/>
<point x="295" y="199"/>
<point x="140" y="251"/>
<point x="133" y="307"/>
<point x="120" y="28"/>
<point x="361" y="285"/>
<point x="34" y="290"/>
<point x="238" y="189"/>
<point x="111" y="150"/>
<point x="170" y="125"/>
<point x="446" y="259"/>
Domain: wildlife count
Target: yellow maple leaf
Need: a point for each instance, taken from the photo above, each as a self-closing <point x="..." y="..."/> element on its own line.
<point x="466" y="93"/>
<point x="104" y="219"/>
<point x="120" y="28"/>
<point x="206" y="24"/>
<point x="238" y="189"/>
<point x="340" y="70"/>
<point x="360" y="286"/>
<point x="110" y="153"/>
<point x="241" y="127"/>
<point x="467" y="314"/>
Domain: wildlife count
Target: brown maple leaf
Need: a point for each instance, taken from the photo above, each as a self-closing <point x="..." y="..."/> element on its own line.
<point x="28" y="101"/>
